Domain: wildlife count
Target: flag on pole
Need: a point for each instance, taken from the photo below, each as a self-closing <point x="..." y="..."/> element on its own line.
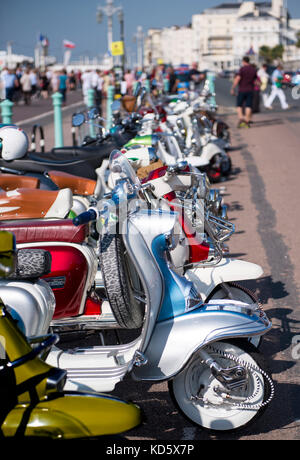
<point x="44" y="40"/>
<point x="68" y="44"/>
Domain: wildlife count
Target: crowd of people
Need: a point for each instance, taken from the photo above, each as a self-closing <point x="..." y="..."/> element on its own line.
<point x="252" y="86"/>
<point x="30" y="83"/>
<point x="27" y="84"/>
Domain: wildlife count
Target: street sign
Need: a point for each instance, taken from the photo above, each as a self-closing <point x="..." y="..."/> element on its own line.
<point x="117" y="48"/>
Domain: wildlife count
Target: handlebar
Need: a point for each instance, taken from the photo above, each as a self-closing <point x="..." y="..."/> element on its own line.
<point x="85" y="217"/>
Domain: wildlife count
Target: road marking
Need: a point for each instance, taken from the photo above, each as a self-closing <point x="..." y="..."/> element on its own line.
<point x="46" y="114"/>
<point x="188" y="434"/>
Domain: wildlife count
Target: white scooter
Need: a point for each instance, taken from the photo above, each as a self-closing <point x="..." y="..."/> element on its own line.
<point x="218" y="277"/>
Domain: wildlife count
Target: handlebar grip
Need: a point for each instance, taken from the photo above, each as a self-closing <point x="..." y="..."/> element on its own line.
<point x="85" y="217"/>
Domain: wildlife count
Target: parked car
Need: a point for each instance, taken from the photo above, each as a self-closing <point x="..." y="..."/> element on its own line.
<point x="296" y="78"/>
<point x="225" y="74"/>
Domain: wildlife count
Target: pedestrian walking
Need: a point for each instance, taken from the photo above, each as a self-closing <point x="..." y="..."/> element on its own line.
<point x="245" y="81"/>
<point x="44" y="85"/>
<point x="129" y="78"/>
<point x="63" y="85"/>
<point x="10" y="84"/>
<point x="34" y="82"/>
<point x="86" y="84"/>
<point x="256" y="93"/>
<point x="26" y="87"/>
<point x="97" y="82"/>
<point x="72" y="80"/>
<point x="277" y="91"/>
<point x="173" y="80"/>
<point x="54" y="82"/>
<point x="264" y="81"/>
<point x="196" y="78"/>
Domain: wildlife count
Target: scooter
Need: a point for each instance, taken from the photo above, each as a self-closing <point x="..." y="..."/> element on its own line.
<point x="78" y="305"/>
<point x="79" y="161"/>
<point x="199" y="256"/>
<point x="178" y="336"/>
<point x="200" y="348"/>
<point x="34" y="403"/>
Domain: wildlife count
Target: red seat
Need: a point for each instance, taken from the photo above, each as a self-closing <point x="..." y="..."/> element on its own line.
<point x="43" y="230"/>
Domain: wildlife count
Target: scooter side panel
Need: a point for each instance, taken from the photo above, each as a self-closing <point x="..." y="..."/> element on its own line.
<point x="74" y="415"/>
<point x="73" y="271"/>
<point x="175" y="341"/>
<point x="33" y="301"/>
<point x="206" y="279"/>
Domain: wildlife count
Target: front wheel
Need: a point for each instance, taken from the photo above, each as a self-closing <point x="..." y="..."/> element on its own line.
<point x="206" y="402"/>
<point x="219" y="167"/>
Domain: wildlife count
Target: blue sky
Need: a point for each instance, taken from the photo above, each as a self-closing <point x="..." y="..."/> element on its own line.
<point x="21" y="21"/>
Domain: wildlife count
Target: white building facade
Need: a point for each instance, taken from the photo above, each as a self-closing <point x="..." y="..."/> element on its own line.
<point x="219" y="37"/>
<point x="171" y="45"/>
<point x="225" y="33"/>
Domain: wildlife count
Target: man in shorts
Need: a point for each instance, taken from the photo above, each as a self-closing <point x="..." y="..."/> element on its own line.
<point x="245" y="80"/>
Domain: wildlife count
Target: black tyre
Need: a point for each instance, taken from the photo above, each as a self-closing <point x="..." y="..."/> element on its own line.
<point x="119" y="275"/>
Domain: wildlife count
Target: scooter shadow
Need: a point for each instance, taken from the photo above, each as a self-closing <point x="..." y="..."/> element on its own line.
<point x="267" y="289"/>
<point x="163" y="422"/>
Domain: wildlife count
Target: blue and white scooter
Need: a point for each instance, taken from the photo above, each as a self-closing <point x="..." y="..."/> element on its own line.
<point x="215" y="375"/>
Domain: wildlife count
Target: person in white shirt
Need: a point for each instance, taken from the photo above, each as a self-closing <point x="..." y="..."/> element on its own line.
<point x="277" y="91"/>
<point x="98" y="86"/>
<point x="86" y="80"/>
<point x="26" y="87"/>
<point x="264" y="80"/>
<point x="34" y="81"/>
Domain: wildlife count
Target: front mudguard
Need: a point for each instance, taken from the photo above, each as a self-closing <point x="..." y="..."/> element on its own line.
<point x="227" y="270"/>
<point x="210" y="150"/>
<point x="72" y="416"/>
<point x="175" y="341"/>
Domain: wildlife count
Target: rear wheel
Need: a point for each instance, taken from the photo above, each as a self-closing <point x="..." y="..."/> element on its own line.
<point x="121" y="282"/>
<point x="206" y="402"/>
<point x="219" y="167"/>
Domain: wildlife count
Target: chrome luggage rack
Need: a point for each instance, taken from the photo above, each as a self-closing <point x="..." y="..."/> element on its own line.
<point x="218" y="229"/>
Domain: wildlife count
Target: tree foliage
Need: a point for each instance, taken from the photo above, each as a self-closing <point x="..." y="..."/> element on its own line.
<point x="271" y="54"/>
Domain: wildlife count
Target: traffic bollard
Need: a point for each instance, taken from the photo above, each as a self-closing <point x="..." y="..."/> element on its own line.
<point x="110" y="99"/>
<point x="166" y="85"/>
<point x="58" y="125"/>
<point x="211" y="86"/>
<point x="147" y="85"/>
<point x="6" y="111"/>
<point x="90" y="98"/>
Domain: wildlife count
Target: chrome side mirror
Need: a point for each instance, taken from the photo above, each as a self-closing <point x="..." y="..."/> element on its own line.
<point x="78" y="119"/>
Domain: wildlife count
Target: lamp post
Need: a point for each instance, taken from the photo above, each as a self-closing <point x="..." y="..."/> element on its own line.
<point x="109" y="10"/>
<point x="139" y="37"/>
<point x="122" y="37"/>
